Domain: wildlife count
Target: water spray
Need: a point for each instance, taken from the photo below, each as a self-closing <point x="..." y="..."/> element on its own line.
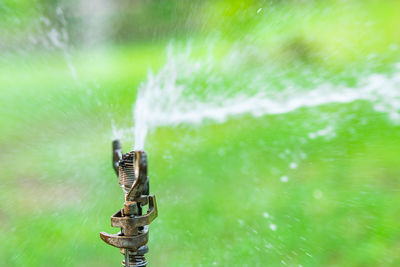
<point x="131" y="169"/>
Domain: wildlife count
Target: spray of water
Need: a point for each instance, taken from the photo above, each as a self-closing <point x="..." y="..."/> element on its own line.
<point x="172" y="96"/>
<point x="60" y="39"/>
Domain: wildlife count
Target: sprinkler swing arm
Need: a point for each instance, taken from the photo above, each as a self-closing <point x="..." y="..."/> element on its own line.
<point x="131" y="169"/>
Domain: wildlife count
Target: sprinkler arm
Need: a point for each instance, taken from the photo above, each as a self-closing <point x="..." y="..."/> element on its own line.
<point x="117" y="154"/>
<point x="130" y="224"/>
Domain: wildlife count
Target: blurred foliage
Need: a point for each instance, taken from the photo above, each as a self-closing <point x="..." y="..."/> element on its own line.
<point x="331" y="33"/>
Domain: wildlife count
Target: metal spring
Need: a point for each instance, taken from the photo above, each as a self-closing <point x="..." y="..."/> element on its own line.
<point x="134" y="260"/>
<point x="127" y="171"/>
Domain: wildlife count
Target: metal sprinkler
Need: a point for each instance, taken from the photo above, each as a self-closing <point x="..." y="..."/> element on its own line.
<point x="131" y="169"/>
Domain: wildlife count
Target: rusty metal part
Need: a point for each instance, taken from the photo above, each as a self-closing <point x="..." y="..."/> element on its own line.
<point x="132" y="177"/>
<point x="131" y="236"/>
<point x="141" y="183"/>
<point x="127" y="242"/>
<point x="135" y="258"/>
<point x="117" y="154"/>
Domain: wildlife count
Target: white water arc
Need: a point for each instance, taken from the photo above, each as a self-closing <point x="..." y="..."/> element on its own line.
<point x="165" y="99"/>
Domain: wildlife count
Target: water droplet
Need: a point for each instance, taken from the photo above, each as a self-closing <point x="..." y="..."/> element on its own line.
<point x="317" y="194"/>
<point x="293" y="165"/>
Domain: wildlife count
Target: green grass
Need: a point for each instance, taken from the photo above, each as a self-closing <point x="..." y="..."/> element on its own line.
<point x="218" y="186"/>
<point x="213" y="184"/>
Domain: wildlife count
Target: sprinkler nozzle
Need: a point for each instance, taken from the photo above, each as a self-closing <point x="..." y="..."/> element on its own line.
<point x="132" y="177"/>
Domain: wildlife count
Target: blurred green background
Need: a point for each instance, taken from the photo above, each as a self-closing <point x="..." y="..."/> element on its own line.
<point x="68" y="69"/>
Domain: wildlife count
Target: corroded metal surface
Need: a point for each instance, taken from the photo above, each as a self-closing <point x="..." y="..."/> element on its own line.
<point x="117" y="154"/>
<point x="132" y="176"/>
<point x="127" y="242"/>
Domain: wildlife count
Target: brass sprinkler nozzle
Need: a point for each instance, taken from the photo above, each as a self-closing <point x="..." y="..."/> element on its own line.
<point x="132" y="176"/>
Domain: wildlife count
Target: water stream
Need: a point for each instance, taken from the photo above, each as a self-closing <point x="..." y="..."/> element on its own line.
<point x="169" y="98"/>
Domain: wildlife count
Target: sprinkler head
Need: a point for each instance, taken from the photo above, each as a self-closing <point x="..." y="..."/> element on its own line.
<point x="132" y="177"/>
